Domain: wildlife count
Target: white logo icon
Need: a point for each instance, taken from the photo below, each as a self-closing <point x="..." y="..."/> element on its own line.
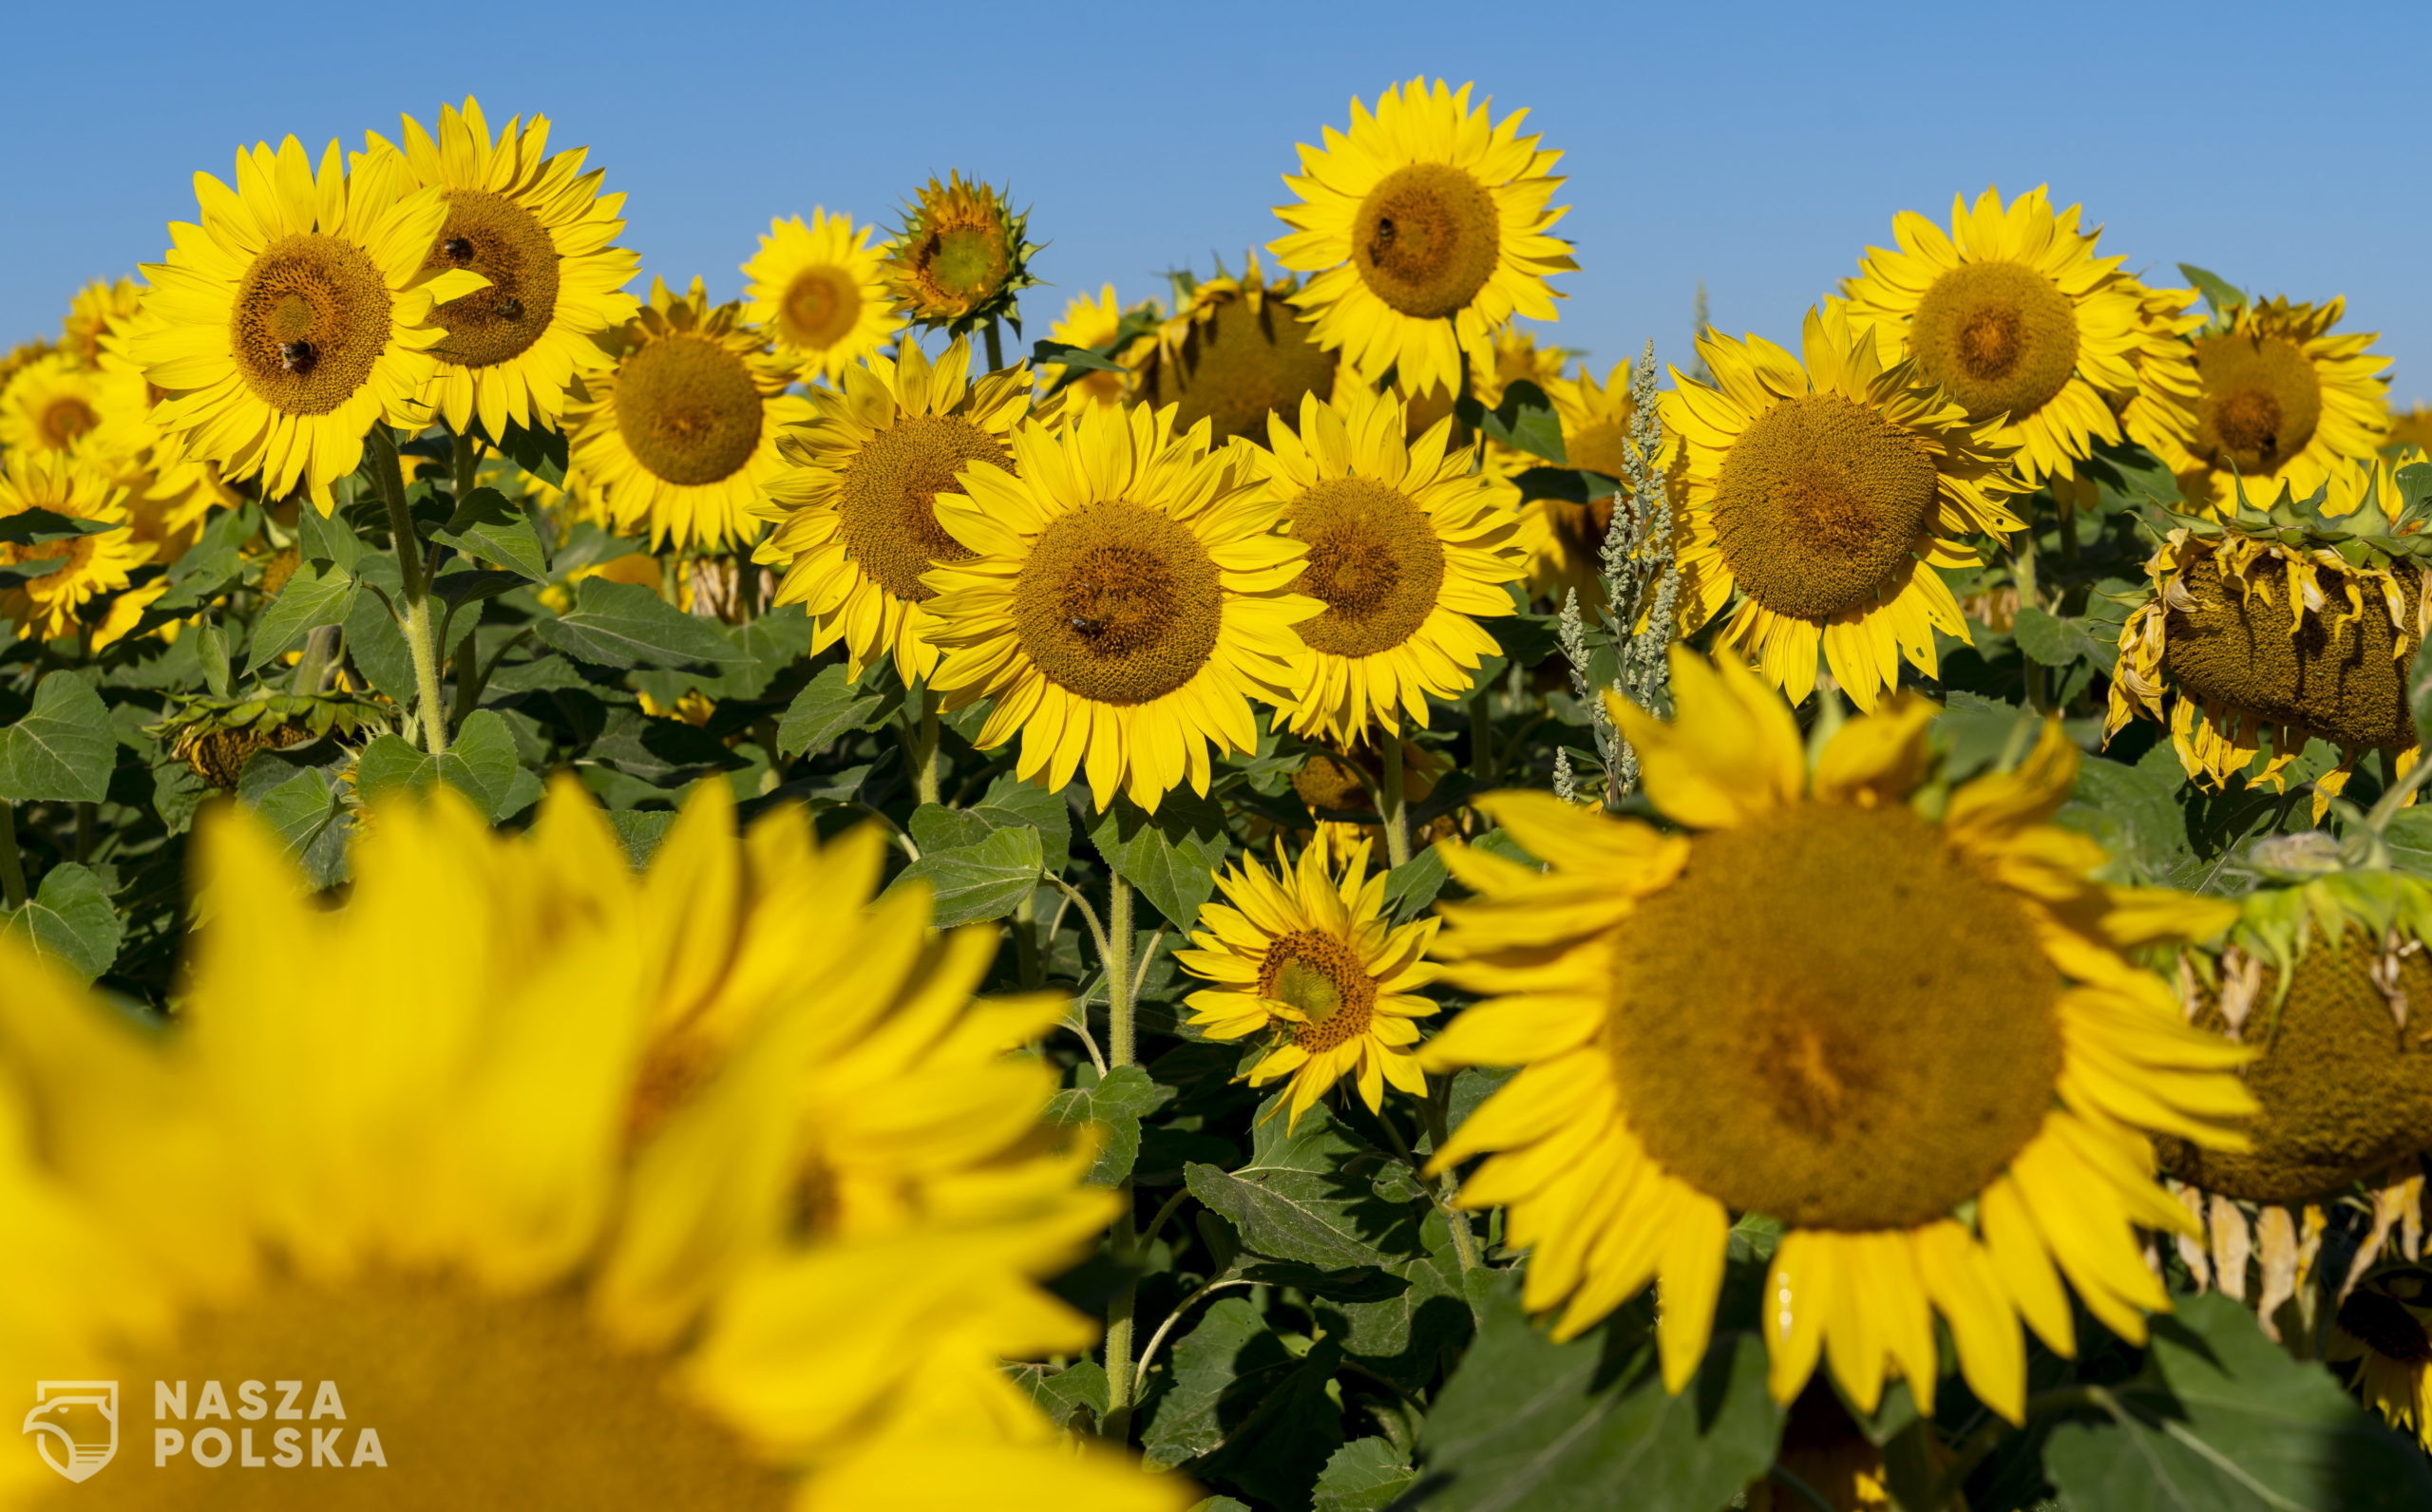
<point x="81" y="1418"/>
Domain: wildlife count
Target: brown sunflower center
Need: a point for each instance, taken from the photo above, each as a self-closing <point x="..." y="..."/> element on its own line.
<point x="312" y="315"/>
<point x="1374" y="561"/>
<point x="1833" y="1018"/>
<point x="2344" y="1087"/>
<point x="1426" y="239"/>
<point x="2261" y="402"/>
<point x="1118" y="603"/>
<point x="505" y="243"/>
<point x="1819" y="502"/>
<point x="2000" y="336"/>
<point x="688" y="408"/>
<point x="1320" y="976"/>
<point x="65" y="421"/>
<point x="2338" y="676"/>
<point x="821" y="307"/>
<point x="446" y="1382"/>
<point x="2384" y="1325"/>
<point x="887" y="505"/>
<point x="1237" y="366"/>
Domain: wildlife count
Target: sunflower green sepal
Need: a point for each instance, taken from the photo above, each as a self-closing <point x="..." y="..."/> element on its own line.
<point x="959" y="258"/>
<point x="216" y="736"/>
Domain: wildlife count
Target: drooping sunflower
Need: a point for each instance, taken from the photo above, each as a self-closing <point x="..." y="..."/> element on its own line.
<point x="2382" y="1339"/>
<point x="1235" y="354"/>
<point x="538" y="228"/>
<point x="2015" y="316"/>
<point x="297" y="315"/>
<point x="681" y="436"/>
<point x="961" y="258"/>
<point x="1825" y="496"/>
<point x="1097" y="321"/>
<point x="1408" y="548"/>
<point x="50" y="605"/>
<point x="819" y="292"/>
<point x="1308" y="957"/>
<point x="2283" y="402"/>
<point x="1913" y="1041"/>
<point x="1426" y="229"/>
<point x="2273" y="625"/>
<point x="1126" y="603"/>
<point x="2319" y="976"/>
<point x="425" y="1183"/>
<point x="857" y="523"/>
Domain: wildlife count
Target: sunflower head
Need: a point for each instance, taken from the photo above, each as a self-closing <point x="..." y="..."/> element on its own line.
<point x="679" y="437"/>
<point x="819" y="292"/>
<point x="2382" y="1340"/>
<point x="2410" y="428"/>
<point x="1101" y="323"/>
<point x="2276" y="625"/>
<point x="1304" y="957"/>
<point x="58" y="403"/>
<point x="1894" y="1015"/>
<point x="98" y="310"/>
<point x="79" y="568"/>
<point x="959" y="258"/>
<point x="1234" y="355"/>
<point x="1426" y="228"/>
<point x="215" y="737"/>
<point x="1821" y="495"/>
<point x="2282" y="399"/>
<point x="856" y="512"/>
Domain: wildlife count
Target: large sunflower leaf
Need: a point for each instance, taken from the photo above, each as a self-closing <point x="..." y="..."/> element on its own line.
<point x="2221" y="1420"/>
<point x="1310" y="1193"/>
<point x="319" y="594"/>
<point x="69" y="920"/>
<point x="62" y="750"/>
<point x="1170" y="856"/>
<point x="1366" y="1474"/>
<point x="626" y="625"/>
<point x="1115" y="1103"/>
<point x="982" y="881"/>
<point x="830" y="706"/>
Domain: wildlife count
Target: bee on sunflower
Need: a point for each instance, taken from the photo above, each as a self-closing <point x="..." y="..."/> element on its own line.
<point x="1895" y="1018"/>
<point x="2272" y="626"/>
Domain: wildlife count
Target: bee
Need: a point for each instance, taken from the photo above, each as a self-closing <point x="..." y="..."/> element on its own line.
<point x="458" y="248"/>
<point x="1087" y="628"/>
<point x="296" y="356"/>
<point x="510" y="307"/>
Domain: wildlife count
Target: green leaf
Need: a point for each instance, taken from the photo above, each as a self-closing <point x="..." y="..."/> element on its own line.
<point x="972" y="882"/>
<point x="1117" y="1103"/>
<point x="1366" y="1474"/>
<point x="626" y="625"/>
<point x="1527" y="1422"/>
<point x="1571" y="484"/>
<point x="2134" y="811"/>
<point x="1412" y="885"/>
<point x="309" y="819"/>
<point x="319" y="594"/>
<point x="487" y="526"/>
<point x="1291" y="1427"/>
<point x="830" y="706"/>
<point x="1307" y="1194"/>
<point x="38" y="527"/>
<point x="1525" y="421"/>
<point x="328" y="540"/>
<point x="481" y="763"/>
<point x="69" y="920"/>
<point x="1170" y="856"/>
<point x="1229" y="1348"/>
<point x="63" y="750"/>
<point x="1067" y="1393"/>
<point x="2218" y="292"/>
<point x="377" y="647"/>
<point x="1405" y="1334"/>
<point x="2051" y="640"/>
<point x="1066" y="354"/>
<point x="1240" y="1400"/>
<point x="768" y="644"/>
<point x="1010" y="802"/>
<point x="641" y="829"/>
<point x="541" y="453"/>
<point x="2221" y="1420"/>
<point x="211" y="649"/>
<point x="472" y="584"/>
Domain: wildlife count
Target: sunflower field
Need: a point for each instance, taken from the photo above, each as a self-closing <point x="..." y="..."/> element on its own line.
<point x="1282" y="900"/>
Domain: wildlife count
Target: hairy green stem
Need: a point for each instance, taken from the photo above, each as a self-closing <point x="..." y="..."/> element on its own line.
<point x="1391" y="805"/>
<point x="1465" y="1242"/>
<point x="1120" y="1052"/>
<point x="13" y="869"/>
<point x="995" y="348"/>
<point x="1119" y="1047"/>
<point x="387" y="475"/>
<point x="925" y="748"/>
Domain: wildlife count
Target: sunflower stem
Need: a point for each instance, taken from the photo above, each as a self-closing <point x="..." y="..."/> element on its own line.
<point x="996" y="348"/>
<point x="1390" y="805"/>
<point x="388" y="477"/>
<point x="924" y="748"/>
<point x="1119" y="1394"/>
<point x="468" y="465"/>
<point x="13" y="869"/>
<point x="1465" y="1242"/>
<point x="1119" y="1047"/>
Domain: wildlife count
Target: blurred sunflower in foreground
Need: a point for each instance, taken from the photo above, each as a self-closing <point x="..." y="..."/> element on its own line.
<point x="1910" y="1036"/>
<point x="454" y="1182"/>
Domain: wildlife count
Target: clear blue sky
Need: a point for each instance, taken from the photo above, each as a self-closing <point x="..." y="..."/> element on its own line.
<point x="1759" y="147"/>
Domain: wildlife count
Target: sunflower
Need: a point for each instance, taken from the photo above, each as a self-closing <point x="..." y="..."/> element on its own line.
<point x="87" y="567"/>
<point x="298" y="317"/>
<point x="1126" y="602"/>
<point x="538" y="228"/>
<point x="959" y="258"/>
<point x="1426" y="229"/>
<point x="855" y="518"/>
<point x="98" y="308"/>
<point x="1826" y="496"/>
<point x="2282" y="624"/>
<point x="1408" y="548"/>
<point x="2283" y="402"/>
<point x="467" y="1221"/>
<point x="817" y="290"/>
<point x="2382" y="1337"/>
<point x="1913" y="1041"/>
<point x="2014" y="316"/>
<point x="59" y="403"/>
<point x="1235" y="355"/>
<point x="170" y="494"/>
<point x="681" y="435"/>
<point x="2412" y="429"/>
<point x="1309" y="960"/>
<point x="20" y="356"/>
<point x="1340" y="788"/>
<point x="1565" y="539"/>
<point x="1095" y="321"/>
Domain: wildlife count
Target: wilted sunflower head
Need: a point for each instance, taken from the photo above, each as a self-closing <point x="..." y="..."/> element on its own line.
<point x="215" y="737"/>
<point x="2283" y="623"/>
<point x="959" y="258"/>
<point x="1234" y="355"/>
<point x="2382" y="1340"/>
